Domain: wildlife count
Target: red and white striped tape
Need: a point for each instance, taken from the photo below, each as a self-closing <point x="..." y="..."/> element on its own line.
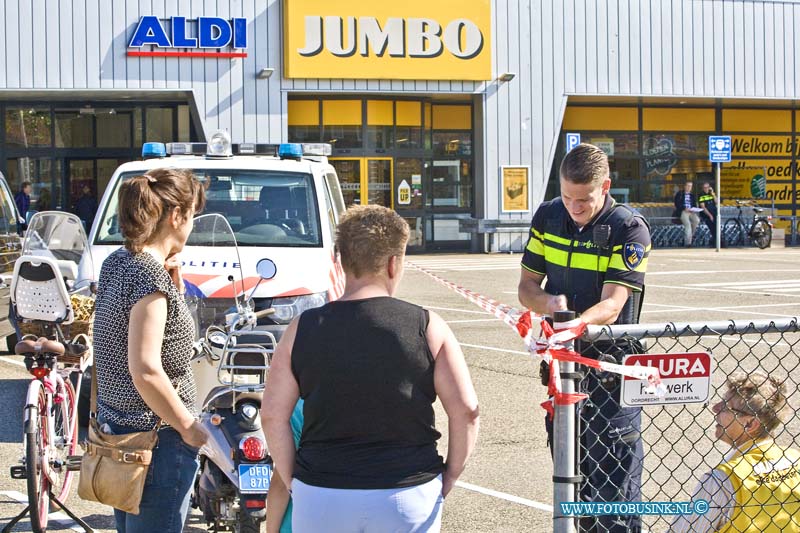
<point x="550" y="345"/>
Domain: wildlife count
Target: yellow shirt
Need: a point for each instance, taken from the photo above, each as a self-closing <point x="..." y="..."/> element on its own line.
<point x="766" y="483"/>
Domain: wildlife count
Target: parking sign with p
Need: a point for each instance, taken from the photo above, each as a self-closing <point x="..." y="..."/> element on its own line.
<point x="573" y="140"/>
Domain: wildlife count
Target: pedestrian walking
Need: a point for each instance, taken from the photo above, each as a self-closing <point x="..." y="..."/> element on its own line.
<point x="685" y="207"/>
<point x="23" y="201"/>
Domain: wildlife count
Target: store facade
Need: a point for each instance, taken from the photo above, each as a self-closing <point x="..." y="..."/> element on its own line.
<point x="452" y="113"/>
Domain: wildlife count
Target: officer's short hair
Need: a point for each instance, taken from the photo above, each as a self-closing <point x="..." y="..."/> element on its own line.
<point x="586" y="163"/>
<point x="761" y="396"/>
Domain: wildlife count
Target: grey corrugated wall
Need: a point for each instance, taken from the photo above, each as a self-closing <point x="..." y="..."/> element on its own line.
<point x="82" y="44"/>
<point x="682" y="48"/>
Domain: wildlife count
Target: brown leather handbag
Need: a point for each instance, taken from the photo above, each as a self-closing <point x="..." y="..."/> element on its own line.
<point x="114" y="467"/>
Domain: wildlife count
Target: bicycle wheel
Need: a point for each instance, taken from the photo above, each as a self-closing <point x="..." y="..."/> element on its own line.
<point x="761" y="233"/>
<point x="732" y="233"/>
<point x="35" y="455"/>
<point x="65" y="434"/>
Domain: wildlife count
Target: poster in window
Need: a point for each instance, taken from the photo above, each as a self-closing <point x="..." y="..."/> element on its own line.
<point x="515" y="189"/>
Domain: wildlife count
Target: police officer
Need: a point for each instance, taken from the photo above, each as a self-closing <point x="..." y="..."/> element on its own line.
<point x="708" y="202"/>
<point x="593" y="254"/>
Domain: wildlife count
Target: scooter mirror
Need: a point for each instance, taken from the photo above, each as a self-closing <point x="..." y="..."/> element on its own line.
<point x="266" y="269"/>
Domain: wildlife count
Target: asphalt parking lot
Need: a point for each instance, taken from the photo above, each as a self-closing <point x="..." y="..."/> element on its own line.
<point x="507" y="485"/>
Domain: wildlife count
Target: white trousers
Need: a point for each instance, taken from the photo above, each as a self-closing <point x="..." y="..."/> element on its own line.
<point x="415" y="509"/>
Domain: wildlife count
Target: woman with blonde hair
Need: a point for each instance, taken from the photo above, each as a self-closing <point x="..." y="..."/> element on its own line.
<point x="369" y="367"/>
<point x="143" y="336"/>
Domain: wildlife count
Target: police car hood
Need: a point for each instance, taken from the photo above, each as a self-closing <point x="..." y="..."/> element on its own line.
<point x="298" y="271"/>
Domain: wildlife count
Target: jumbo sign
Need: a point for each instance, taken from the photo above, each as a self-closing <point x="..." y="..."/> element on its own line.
<point x="415" y="40"/>
<point x="211" y="33"/>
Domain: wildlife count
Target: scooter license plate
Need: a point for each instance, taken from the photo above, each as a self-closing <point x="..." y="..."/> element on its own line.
<point x="254" y="478"/>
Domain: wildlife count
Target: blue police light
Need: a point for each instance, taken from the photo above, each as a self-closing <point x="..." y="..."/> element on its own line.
<point x="151" y="150"/>
<point x="290" y="151"/>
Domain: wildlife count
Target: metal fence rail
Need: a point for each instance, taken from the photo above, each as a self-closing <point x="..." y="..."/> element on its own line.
<point x="678" y="440"/>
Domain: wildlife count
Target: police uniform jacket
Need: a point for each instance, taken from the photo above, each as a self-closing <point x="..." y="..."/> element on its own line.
<point x="707" y="200"/>
<point x="578" y="262"/>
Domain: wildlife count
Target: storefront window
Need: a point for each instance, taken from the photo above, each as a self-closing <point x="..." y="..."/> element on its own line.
<point x="455" y="143"/>
<point x="415" y="233"/>
<point x="408" y="137"/>
<point x="342" y="136"/>
<point x="342" y="122"/>
<point x="44" y="174"/>
<point x="614" y="144"/>
<point x="137" y="127"/>
<point x="304" y="134"/>
<point x="74" y="129"/>
<point x="451" y="182"/>
<point x="113" y="128"/>
<point x="159" y="124"/>
<point x="379" y="137"/>
<point x="184" y="124"/>
<point x="445" y="227"/>
<point x="411" y="171"/>
<point x="408" y="124"/>
<point x="678" y="144"/>
<point x="28" y="127"/>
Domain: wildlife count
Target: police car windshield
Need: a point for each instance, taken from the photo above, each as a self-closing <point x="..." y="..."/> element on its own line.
<point x="264" y="208"/>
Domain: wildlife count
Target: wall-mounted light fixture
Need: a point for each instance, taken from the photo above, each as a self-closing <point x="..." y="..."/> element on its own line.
<point x="265" y="73"/>
<point x="506" y="76"/>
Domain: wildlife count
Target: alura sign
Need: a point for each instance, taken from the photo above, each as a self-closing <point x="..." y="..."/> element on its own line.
<point x="182" y="37"/>
<point x="417" y="40"/>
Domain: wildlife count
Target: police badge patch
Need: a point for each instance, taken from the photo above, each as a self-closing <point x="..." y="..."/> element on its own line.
<point x="632" y="255"/>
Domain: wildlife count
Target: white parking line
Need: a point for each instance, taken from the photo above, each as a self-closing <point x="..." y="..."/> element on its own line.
<point x="716" y="290"/>
<point x="60" y="518"/>
<point x="490" y="348"/>
<point x="505" y="496"/>
<point x="691" y="272"/>
<point x="750" y="284"/>
<point x="471" y="311"/>
<point x="472" y="320"/>
<point x="12" y="361"/>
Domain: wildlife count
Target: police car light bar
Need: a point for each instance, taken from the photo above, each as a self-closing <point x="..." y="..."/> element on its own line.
<point x="255" y="149"/>
<point x="317" y="149"/>
<point x="186" y="148"/>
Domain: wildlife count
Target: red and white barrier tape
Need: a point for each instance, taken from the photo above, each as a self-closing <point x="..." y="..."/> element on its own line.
<point x="550" y="345"/>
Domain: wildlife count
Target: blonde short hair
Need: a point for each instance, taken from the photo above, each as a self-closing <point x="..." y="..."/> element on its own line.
<point x="367" y="236"/>
<point x="762" y="396"/>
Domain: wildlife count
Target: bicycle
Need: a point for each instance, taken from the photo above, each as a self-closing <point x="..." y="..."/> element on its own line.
<point x="44" y="294"/>
<point x="759" y="231"/>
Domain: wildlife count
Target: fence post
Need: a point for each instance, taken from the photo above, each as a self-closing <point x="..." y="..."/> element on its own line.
<point x="565" y="441"/>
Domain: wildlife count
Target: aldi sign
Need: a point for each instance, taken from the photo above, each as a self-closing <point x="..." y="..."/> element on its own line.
<point x="182" y="37"/>
<point x="686" y="377"/>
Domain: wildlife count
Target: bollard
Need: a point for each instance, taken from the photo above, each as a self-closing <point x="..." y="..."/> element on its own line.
<point x="565" y="476"/>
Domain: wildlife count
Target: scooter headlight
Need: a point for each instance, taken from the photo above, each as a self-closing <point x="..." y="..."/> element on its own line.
<point x="288" y="308"/>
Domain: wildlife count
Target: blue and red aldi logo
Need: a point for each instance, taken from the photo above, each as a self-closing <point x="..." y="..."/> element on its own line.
<point x="182" y="37"/>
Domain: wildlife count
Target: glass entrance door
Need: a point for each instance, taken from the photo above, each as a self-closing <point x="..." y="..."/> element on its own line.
<point x="85" y="178"/>
<point x="365" y="180"/>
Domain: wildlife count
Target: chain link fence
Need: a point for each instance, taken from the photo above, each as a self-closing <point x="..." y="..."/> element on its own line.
<point x="672" y="447"/>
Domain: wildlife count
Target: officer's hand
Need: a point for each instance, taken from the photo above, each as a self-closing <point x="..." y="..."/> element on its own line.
<point x="555" y="303"/>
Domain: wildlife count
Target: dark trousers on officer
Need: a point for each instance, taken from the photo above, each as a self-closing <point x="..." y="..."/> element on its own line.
<point x="712" y="228"/>
<point x="610" y="452"/>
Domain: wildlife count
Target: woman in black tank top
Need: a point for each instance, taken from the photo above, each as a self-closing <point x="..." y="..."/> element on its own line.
<point x="369" y="368"/>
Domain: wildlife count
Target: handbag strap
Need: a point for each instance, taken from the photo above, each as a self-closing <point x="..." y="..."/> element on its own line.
<point x="142" y="457"/>
<point x="93" y="402"/>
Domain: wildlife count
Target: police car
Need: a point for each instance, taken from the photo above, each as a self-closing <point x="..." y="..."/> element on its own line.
<point x="283" y="203"/>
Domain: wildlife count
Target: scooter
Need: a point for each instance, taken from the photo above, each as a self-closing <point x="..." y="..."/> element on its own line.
<point x="230" y="365"/>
